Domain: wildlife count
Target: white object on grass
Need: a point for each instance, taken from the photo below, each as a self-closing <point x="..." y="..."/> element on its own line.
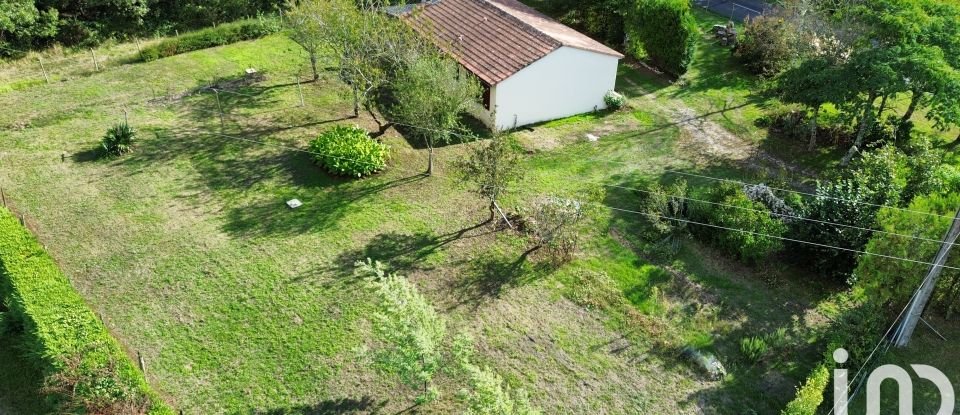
<point x="294" y="203"/>
<point x="592" y="138"/>
<point x="251" y="71"/>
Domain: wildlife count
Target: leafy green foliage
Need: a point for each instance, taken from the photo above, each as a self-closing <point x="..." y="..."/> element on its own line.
<point x="750" y="244"/>
<point x="430" y="95"/>
<point x="410" y="335"/>
<point x="28" y="24"/>
<point x="602" y="20"/>
<point x="349" y="151"/>
<point x="768" y="45"/>
<point x="210" y="37"/>
<point x="810" y="396"/>
<point x="492" y="168"/>
<point x="552" y="225"/>
<point x="118" y="140"/>
<point x="662" y="207"/>
<point x="489" y="395"/>
<point x="664" y="31"/>
<point x="892" y="283"/>
<point x="84" y="365"/>
<point x="753" y="348"/>
<point x="614" y="100"/>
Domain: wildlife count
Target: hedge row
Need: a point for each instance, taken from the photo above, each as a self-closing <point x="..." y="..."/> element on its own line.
<point x="810" y="396"/>
<point x="85" y="369"/>
<point x="224" y="34"/>
<point x="664" y="31"/>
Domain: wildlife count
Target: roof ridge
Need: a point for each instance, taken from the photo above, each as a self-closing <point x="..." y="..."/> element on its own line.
<point x="526" y="26"/>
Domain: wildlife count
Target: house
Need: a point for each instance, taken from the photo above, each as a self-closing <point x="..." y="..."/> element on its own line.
<point x="533" y="68"/>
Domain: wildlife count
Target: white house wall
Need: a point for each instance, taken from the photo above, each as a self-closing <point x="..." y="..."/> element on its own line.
<point x="567" y="82"/>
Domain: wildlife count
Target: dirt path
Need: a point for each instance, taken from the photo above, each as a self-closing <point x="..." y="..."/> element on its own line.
<point x="708" y="141"/>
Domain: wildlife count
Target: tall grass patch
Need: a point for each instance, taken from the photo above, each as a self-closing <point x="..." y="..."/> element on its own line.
<point x="84" y="368"/>
<point x="224" y="34"/>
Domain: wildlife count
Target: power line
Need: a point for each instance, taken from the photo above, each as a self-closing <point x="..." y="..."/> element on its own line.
<point x="775" y="236"/>
<point x="806" y="193"/>
<point x="784" y="215"/>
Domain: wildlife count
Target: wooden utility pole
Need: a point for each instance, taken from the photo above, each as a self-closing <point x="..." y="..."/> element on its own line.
<point x="919" y="302"/>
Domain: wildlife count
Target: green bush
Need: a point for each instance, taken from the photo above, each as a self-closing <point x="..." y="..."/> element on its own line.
<point x="614" y="100"/>
<point x="224" y="34"/>
<point x="665" y="31"/>
<point x="810" y="396"/>
<point x="86" y="370"/>
<point x="349" y="151"/>
<point x="753" y="348"/>
<point x="119" y="139"/>
<point x="751" y="217"/>
<point x="768" y="45"/>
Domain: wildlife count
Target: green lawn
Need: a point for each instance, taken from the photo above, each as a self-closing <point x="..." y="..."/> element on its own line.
<point x="240" y="305"/>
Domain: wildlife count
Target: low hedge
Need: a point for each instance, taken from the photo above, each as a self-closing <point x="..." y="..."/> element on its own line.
<point x="224" y="34"/>
<point x="810" y="395"/>
<point x="85" y="369"/>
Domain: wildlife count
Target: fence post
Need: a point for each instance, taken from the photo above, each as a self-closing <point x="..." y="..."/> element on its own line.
<point x="96" y="64"/>
<point x="219" y="109"/>
<point x="4" y="197"/>
<point x="125" y="116"/>
<point x="23" y="222"/>
<point x="300" y="91"/>
<point x="143" y="366"/>
<point x="47" y="78"/>
<point x="139" y="49"/>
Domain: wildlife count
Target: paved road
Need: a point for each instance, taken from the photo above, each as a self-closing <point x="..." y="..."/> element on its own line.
<point x="736" y="10"/>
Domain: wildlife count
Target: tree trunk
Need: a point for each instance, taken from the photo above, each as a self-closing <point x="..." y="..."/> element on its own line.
<point x="914" y="102"/>
<point x="356" y="100"/>
<point x="493" y="209"/>
<point x="813" y="129"/>
<point x="430" y="162"/>
<point x="866" y="121"/>
<point x="313" y="64"/>
<point x="883" y="106"/>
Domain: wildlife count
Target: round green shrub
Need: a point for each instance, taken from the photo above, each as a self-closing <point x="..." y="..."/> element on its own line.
<point x="119" y="139"/>
<point x="729" y="208"/>
<point x="349" y="151"/>
<point x="614" y="100"/>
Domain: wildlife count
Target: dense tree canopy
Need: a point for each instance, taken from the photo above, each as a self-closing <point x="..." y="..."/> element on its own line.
<point x="27" y="24"/>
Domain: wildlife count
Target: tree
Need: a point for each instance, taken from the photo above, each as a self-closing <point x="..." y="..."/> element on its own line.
<point x="552" y="225"/>
<point x="492" y="168"/>
<point x="489" y="395"/>
<point x="370" y="46"/>
<point x="430" y="95"/>
<point x="408" y="329"/>
<point x="306" y="30"/>
<point x="23" y="26"/>
<point x="813" y="83"/>
<point x="870" y="74"/>
<point x="665" y="31"/>
<point x="768" y="44"/>
<point x="891" y="283"/>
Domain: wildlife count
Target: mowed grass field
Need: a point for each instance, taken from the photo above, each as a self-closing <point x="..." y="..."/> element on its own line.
<point x="241" y="305"/>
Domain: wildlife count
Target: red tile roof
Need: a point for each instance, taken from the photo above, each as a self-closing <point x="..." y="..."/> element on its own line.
<point x="495" y="39"/>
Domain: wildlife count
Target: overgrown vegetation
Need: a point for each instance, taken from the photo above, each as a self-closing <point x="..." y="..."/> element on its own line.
<point x="224" y="34"/>
<point x="85" y="369"/>
<point x="28" y="24"/>
<point x="663" y="31"/>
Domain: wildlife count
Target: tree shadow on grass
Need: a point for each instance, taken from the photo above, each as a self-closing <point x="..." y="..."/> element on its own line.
<point x="488" y="277"/>
<point x="342" y="406"/>
<point x="405" y="252"/>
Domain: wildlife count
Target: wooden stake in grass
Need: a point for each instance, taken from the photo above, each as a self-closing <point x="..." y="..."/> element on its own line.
<point x="96" y="65"/>
<point x="139" y="48"/>
<point x="4" y="197"/>
<point x="47" y="78"/>
<point x="125" y="121"/>
<point x="143" y="366"/>
<point x="219" y="108"/>
<point x="300" y="90"/>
